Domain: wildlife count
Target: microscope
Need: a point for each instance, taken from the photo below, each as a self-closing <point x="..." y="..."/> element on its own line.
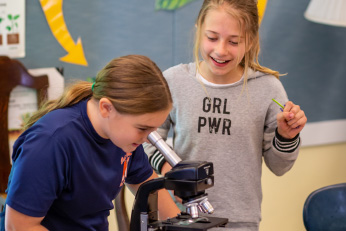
<point x="189" y="180"/>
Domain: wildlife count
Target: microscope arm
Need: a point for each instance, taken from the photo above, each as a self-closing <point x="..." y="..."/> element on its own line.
<point x="139" y="215"/>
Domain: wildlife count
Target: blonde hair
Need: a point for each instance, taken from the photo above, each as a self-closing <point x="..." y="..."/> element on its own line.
<point x="134" y="84"/>
<point x="247" y="13"/>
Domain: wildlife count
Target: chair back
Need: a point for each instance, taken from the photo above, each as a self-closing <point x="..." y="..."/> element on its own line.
<point x="121" y="213"/>
<point x="325" y="209"/>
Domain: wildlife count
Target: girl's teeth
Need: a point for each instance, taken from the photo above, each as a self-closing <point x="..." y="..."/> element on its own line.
<point x="219" y="61"/>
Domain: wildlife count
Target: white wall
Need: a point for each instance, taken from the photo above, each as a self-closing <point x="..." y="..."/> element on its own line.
<point x="284" y="197"/>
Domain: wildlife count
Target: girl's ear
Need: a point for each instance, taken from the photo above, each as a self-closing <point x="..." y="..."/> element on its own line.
<point x="105" y="107"/>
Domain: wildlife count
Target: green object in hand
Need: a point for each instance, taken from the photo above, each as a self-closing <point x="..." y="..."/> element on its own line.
<point x="278" y="103"/>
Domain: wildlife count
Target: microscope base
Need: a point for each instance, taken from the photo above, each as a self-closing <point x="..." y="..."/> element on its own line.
<point x="183" y="223"/>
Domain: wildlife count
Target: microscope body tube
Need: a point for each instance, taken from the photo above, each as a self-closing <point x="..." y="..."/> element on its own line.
<point x="170" y="156"/>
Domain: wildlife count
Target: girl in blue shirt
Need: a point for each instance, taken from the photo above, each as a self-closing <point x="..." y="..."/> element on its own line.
<point x="79" y="150"/>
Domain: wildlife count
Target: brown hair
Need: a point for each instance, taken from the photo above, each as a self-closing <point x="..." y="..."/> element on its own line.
<point x="134" y="84"/>
<point x="247" y="13"/>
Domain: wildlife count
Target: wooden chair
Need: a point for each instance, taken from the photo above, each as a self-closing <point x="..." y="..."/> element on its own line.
<point x="121" y="211"/>
<point x="12" y="74"/>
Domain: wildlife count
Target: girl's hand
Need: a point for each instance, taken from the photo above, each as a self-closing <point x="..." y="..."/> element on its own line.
<point x="291" y="120"/>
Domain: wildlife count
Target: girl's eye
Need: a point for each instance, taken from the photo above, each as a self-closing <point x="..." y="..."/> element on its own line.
<point x="234" y="43"/>
<point x="212" y="39"/>
<point x="143" y="129"/>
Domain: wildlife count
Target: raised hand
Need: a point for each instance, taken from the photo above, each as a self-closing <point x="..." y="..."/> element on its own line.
<point x="291" y="120"/>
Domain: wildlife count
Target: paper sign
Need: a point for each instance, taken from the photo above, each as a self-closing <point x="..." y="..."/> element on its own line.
<point x="23" y="101"/>
<point x="12" y="28"/>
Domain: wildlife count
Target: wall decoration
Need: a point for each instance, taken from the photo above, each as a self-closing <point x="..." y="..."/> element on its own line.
<point x="175" y="4"/>
<point x="12" y="28"/>
<point x="261" y="4"/>
<point x="54" y="15"/>
<point x="170" y="4"/>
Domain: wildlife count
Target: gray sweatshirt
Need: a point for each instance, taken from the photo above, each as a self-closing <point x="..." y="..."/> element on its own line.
<point x="235" y="131"/>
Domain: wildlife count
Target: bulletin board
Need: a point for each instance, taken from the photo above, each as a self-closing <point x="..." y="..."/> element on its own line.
<point x="12" y="28"/>
<point x="312" y="55"/>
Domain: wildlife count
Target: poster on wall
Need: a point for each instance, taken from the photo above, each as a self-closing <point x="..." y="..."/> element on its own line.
<point x="12" y="28"/>
<point x="23" y="101"/>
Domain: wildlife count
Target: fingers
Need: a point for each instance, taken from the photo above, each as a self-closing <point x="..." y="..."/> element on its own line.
<point x="291" y="121"/>
<point x="297" y="120"/>
<point x="293" y="114"/>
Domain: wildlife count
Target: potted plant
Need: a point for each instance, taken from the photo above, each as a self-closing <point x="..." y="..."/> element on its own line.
<point x="13" y="35"/>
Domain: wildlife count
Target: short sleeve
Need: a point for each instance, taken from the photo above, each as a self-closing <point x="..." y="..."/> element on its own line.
<point x="39" y="175"/>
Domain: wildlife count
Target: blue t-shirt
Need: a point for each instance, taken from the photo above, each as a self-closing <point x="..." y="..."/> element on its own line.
<point x="63" y="170"/>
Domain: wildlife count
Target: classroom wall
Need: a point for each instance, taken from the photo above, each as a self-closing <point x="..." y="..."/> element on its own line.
<point x="311" y="54"/>
<point x="284" y="197"/>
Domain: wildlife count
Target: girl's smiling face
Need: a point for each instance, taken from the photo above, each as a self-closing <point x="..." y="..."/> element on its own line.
<point x="222" y="47"/>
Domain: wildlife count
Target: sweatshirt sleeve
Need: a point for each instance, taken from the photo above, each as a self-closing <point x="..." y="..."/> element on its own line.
<point x="279" y="153"/>
<point x="280" y="162"/>
<point x="156" y="159"/>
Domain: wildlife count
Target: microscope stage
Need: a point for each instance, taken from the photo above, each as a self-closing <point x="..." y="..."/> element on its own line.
<point x="182" y="223"/>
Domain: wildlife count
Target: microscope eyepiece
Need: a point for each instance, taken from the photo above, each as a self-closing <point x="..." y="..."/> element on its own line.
<point x="170" y="156"/>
